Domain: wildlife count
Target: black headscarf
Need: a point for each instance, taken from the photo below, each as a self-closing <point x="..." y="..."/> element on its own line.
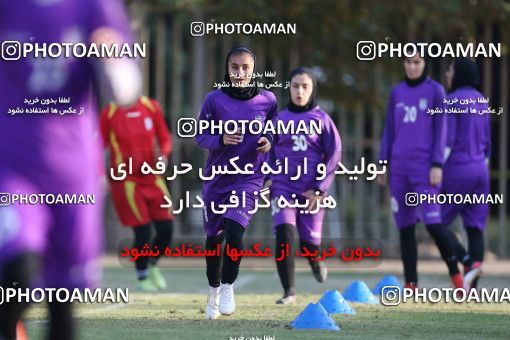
<point x="465" y="73"/>
<point x="312" y="102"/>
<point x="424" y="74"/>
<point x="241" y="93"/>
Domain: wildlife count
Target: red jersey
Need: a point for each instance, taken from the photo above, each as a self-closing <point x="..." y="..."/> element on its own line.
<point x="131" y="132"/>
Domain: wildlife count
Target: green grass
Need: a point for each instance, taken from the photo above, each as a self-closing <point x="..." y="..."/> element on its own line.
<point x="179" y="314"/>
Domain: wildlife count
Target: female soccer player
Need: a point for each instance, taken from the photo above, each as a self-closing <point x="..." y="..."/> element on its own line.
<point x="413" y="142"/>
<point x="468" y="147"/>
<point x="239" y="100"/>
<point x="55" y="245"/>
<point x="320" y="148"/>
<point x="129" y="133"/>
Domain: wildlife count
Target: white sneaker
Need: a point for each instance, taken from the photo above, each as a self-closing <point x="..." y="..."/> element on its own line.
<point x="471" y="275"/>
<point x="213" y="301"/>
<point x="227" y="303"/>
<point x="286" y="299"/>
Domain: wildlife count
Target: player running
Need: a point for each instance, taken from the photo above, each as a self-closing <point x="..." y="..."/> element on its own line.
<point x="129" y="133"/>
<point x="468" y="147"/>
<point x="413" y="142"/>
<point x="320" y="148"/>
<point x="48" y="153"/>
<point x="240" y="100"/>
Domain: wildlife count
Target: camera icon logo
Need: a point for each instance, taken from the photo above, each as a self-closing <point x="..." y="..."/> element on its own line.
<point x="411" y="199"/>
<point x="186" y="127"/>
<point x="5" y="199"/>
<point x="391" y="296"/>
<point x="197" y="29"/>
<point x="366" y="50"/>
<point x="11" y="50"/>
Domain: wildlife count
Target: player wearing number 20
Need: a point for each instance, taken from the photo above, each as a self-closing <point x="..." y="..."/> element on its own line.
<point x="318" y="148"/>
<point x="413" y="142"/>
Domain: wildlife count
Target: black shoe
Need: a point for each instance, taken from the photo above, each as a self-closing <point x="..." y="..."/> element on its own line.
<point x="319" y="270"/>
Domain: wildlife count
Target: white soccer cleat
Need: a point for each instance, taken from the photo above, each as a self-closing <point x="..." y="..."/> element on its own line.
<point x="212" y="311"/>
<point x="227" y="302"/>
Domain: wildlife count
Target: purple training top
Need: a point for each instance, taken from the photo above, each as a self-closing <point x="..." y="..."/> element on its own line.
<point x="219" y="106"/>
<point x="49" y="142"/>
<point x="469" y="134"/>
<point x="317" y="148"/>
<point x="414" y="140"/>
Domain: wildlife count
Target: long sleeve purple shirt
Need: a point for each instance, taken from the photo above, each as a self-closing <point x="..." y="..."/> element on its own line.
<point x="414" y="140"/>
<point x="218" y="106"/>
<point x="469" y="134"/>
<point x="49" y="143"/>
<point x="317" y="148"/>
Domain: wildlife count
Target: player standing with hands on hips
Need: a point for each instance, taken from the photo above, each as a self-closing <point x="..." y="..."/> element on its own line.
<point x="239" y="100"/>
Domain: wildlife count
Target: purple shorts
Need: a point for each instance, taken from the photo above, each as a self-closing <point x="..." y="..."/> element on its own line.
<point x="402" y="188"/>
<point x="466" y="180"/>
<point x="67" y="237"/>
<point x="214" y="221"/>
<point x="309" y="226"/>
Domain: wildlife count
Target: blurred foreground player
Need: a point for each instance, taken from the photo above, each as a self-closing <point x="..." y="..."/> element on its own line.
<point x="324" y="148"/>
<point x="466" y="172"/>
<point x="413" y="143"/>
<point x="130" y="132"/>
<point x="55" y="154"/>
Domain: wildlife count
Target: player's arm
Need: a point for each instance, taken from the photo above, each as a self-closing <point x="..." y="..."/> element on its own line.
<point x="162" y="134"/>
<point x="266" y="140"/>
<point x="451" y="134"/>
<point x="332" y="146"/>
<point x="388" y="136"/>
<point x="271" y="160"/>
<point x="205" y="139"/>
<point x="488" y="142"/>
<point x="439" y="138"/>
<point x="439" y="129"/>
<point x="104" y="124"/>
<point x="104" y="127"/>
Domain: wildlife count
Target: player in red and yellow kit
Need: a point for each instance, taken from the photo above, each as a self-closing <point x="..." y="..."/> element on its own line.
<point x="130" y="133"/>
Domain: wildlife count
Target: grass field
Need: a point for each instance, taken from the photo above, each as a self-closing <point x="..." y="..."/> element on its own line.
<point x="179" y="313"/>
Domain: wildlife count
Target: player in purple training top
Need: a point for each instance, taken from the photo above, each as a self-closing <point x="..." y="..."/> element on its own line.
<point x="323" y="148"/>
<point x="413" y="143"/>
<point x="52" y="154"/>
<point x="240" y="100"/>
<point x="468" y="147"/>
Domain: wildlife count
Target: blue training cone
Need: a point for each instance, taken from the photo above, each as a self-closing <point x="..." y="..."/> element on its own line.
<point x="334" y="303"/>
<point x="359" y="292"/>
<point x="314" y="316"/>
<point x="388" y="280"/>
